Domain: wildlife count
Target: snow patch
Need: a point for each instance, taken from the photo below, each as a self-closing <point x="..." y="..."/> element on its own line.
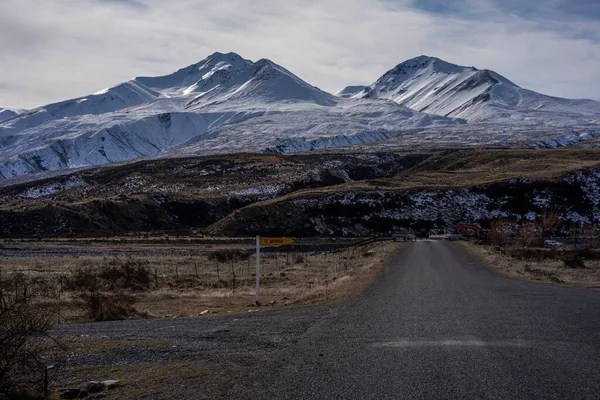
<point x="48" y="190"/>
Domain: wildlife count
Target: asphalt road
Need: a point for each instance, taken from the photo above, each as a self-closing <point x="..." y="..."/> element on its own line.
<point x="437" y="325"/>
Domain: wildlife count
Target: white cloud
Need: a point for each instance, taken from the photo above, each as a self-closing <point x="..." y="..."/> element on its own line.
<point x="53" y="50"/>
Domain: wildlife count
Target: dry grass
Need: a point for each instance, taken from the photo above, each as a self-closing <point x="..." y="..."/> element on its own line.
<point x="143" y="380"/>
<point x="545" y="270"/>
<point x="183" y="286"/>
<point x="468" y="168"/>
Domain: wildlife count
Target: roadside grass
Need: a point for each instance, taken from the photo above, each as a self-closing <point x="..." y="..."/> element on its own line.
<point x="541" y="270"/>
<point x="88" y="287"/>
<point x="147" y="380"/>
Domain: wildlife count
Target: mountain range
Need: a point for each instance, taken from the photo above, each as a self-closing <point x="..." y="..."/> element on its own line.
<point x="226" y="103"/>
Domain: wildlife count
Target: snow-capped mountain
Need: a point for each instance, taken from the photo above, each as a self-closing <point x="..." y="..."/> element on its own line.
<point x="218" y="78"/>
<point x="224" y="103"/>
<point x="6" y="113"/>
<point x="431" y="85"/>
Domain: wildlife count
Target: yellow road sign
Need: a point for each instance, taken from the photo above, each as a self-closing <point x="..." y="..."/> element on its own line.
<point x="275" y="241"/>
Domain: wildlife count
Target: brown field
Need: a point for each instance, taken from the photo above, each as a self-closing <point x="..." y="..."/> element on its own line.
<point x="185" y="280"/>
<point x="544" y="270"/>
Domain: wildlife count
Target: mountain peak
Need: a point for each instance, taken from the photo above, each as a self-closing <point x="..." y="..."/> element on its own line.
<point x="218" y="56"/>
<point x="435" y="86"/>
<point x="435" y="64"/>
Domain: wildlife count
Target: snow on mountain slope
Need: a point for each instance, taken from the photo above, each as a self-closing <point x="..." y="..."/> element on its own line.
<point x="203" y="76"/>
<point x="291" y="128"/>
<point x="218" y="78"/>
<point x="110" y="143"/>
<point x="6" y="113"/>
<point x="223" y="103"/>
<point x="223" y="77"/>
<point x="125" y="95"/>
<point x="431" y="85"/>
<point x="350" y="91"/>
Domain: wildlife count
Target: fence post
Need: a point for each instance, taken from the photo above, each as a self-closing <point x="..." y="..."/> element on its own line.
<point x="257" y="270"/>
<point x="233" y="276"/>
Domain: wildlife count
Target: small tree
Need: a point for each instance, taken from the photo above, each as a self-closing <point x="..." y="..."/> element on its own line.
<point x="24" y="338"/>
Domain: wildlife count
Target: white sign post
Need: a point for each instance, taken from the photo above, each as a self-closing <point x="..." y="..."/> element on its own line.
<point x="257" y="270"/>
<point x="266" y="242"/>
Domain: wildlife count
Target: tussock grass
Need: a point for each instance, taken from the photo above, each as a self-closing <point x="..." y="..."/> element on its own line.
<point x="539" y="269"/>
<point x="183" y="286"/>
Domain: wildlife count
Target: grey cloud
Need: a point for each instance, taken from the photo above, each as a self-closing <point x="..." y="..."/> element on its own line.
<point x="127" y="3"/>
<point x="57" y="50"/>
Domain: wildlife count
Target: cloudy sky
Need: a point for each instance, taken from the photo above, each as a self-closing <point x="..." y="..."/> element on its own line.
<point x="52" y="50"/>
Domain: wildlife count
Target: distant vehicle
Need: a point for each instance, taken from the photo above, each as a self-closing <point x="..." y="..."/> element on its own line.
<point x="552" y="244"/>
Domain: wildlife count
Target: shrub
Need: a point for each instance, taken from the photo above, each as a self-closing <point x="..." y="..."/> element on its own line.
<point x="82" y="279"/>
<point x="108" y="306"/>
<point x="132" y="274"/>
<point x="573" y="260"/>
<point x="229" y="255"/>
<point x="500" y="232"/>
<point x="24" y="338"/>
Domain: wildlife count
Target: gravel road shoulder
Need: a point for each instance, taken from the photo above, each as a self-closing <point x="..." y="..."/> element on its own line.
<point x="178" y="358"/>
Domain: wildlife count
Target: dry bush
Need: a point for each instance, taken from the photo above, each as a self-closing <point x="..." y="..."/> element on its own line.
<point x="107" y="306"/>
<point x="24" y="339"/>
<point x="527" y="235"/>
<point x="84" y="278"/>
<point x="573" y="260"/>
<point x="548" y="222"/>
<point x="500" y="231"/>
<point x="132" y="274"/>
<point x="229" y="255"/>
